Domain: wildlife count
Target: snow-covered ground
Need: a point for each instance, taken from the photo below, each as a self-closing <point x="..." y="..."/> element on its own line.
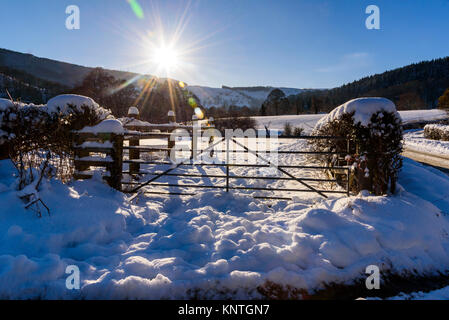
<point x="440" y="294"/>
<point x="308" y="121"/>
<point x="214" y="244"/>
<point x="414" y="140"/>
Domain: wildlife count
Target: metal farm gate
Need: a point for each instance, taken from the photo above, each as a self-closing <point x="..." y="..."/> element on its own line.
<point x="151" y="178"/>
<point x="132" y="151"/>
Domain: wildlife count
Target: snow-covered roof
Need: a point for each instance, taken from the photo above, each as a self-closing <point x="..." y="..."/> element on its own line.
<point x="363" y="108"/>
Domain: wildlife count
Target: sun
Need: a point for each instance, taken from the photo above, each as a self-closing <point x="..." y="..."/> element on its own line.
<point x="166" y="58"/>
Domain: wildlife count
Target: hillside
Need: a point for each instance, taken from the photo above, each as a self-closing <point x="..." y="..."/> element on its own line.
<point x="46" y="73"/>
<point x="417" y="86"/>
<point x="413" y="87"/>
<point x="66" y="74"/>
<point x="251" y="97"/>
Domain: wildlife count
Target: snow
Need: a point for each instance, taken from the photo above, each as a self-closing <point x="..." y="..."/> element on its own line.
<point x="133" y="111"/>
<point x="363" y="109"/>
<point x="308" y="121"/>
<point x="414" y="140"/>
<point x="216" y="244"/>
<point x="106" y="126"/>
<point x="423" y="115"/>
<point x="96" y="158"/>
<point x="5" y="104"/>
<point x="130" y="122"/>
<point x="96" y="144"/>
<point x="442" y="127"/>
<point x="62" y="102"/>
<point x="250" y="97"/>
<point x="440" y="294"/>
<point x="437" y="131"/>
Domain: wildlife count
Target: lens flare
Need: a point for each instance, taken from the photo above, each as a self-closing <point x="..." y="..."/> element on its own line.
<point x="199" y="113"/>
<point x="192" y="103"/>
<point x="137" y="9"/>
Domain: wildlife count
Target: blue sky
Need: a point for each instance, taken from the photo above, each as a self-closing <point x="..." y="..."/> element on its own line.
<point x="297" y="43"/>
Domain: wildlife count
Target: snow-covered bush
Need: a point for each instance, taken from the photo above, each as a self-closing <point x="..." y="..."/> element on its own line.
<point x="31" y="133"/>
<point x="373" y="127"/>
<point x="436" y="132"/>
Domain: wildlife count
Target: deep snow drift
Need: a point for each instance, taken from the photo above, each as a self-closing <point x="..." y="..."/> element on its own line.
<point x="214" y="245"/>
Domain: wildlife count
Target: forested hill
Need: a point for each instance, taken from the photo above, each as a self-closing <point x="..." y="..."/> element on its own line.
<point x="65" y="74"/>
<point x="416" y="86"/>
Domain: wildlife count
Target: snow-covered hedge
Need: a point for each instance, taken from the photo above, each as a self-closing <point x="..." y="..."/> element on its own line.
<point x="33" y="129"/>
<point x="374" y="128"/>
<point x="71" y="111"/>
<point x="436" y="132"/>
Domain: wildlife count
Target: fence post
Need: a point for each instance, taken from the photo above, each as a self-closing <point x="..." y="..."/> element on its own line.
<point x="117" y="161"/>
<point x="80" y="153"/>
<point x="194" y="136"/>
<point x="171" y="120"/>
<point x="227" y="164"/>
<point x="171" y="117"/>
<point x="210" y="124"/>
<point x="134" y="154"/>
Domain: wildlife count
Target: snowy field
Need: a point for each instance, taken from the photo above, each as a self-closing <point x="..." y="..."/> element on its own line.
<point x="308" y="121"/>
<point x="213" y="244"/>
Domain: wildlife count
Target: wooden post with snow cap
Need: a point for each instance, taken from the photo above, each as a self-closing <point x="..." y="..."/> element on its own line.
<point x="171" y="120"/>
<point x="171" y="117"/>
<point x="134" y="154"/>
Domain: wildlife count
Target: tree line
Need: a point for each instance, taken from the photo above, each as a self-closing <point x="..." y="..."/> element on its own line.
<point x="417" y="86"/>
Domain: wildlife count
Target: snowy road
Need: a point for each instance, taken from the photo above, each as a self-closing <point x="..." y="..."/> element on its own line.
<point x="432" y="152"/>
<point x="435" y="160"/>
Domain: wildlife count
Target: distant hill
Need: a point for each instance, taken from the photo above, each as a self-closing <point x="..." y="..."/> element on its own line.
<point x="63" y="73"/>
<point x="251" y="97"/>
<point x="53" y="76"/>
<point x="416" y="86"/>
<point x="27" y="88"/>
